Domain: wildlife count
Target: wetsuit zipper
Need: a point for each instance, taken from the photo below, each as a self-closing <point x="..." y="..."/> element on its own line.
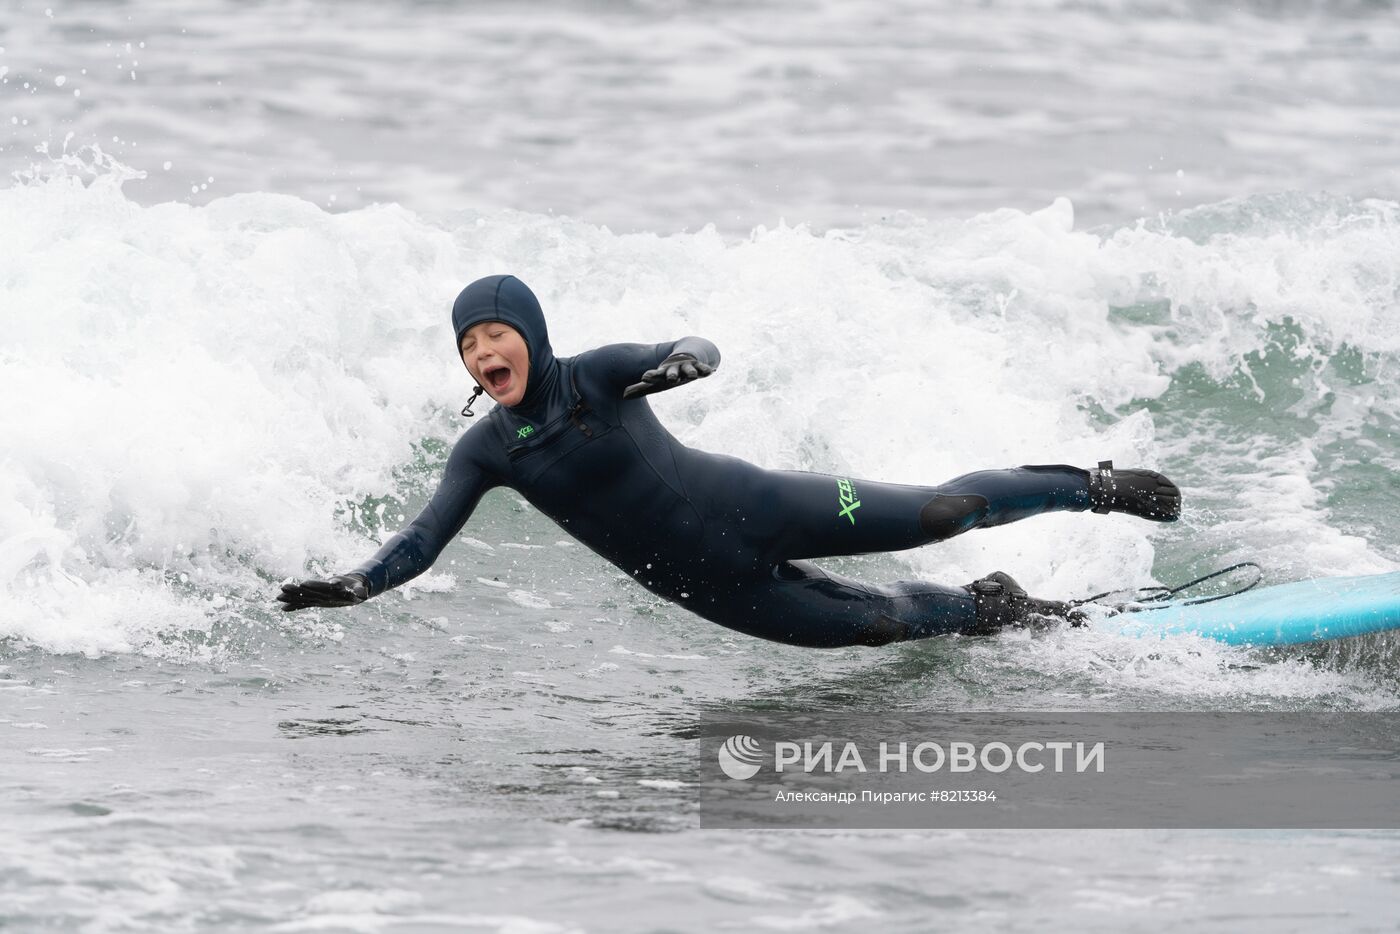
<point x="576" y="416"/>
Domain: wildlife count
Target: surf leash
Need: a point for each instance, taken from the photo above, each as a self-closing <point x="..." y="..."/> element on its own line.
<point x="1158" y="598"/>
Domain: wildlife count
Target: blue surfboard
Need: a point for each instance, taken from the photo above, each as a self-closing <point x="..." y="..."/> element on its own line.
<point x="1284" y="614"/>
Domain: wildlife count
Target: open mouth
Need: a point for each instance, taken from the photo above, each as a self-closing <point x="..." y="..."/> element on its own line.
<point x="497" y="377"/>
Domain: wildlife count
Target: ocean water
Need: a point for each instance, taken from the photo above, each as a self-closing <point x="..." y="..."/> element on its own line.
<point x="927" y="238"/>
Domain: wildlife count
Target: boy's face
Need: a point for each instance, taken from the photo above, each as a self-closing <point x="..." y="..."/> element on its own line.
<point x="498" y="360"/>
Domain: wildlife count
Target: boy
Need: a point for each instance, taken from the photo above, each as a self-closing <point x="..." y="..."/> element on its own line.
<point x="717" y="535"/>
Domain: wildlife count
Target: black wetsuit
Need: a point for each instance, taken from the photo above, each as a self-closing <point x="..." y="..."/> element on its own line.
<point x="721" y="537"/>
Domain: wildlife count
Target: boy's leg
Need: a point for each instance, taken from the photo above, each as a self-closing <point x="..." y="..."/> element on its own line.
<point x="801" y="604"/>
<point x="809" y="515"/>
<point x="996" y="497"/>
<point x="989" y="498"/>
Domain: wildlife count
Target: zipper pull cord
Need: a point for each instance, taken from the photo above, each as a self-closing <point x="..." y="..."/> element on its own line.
<point x="467" y="409"/>
<point x="576" y="416"/>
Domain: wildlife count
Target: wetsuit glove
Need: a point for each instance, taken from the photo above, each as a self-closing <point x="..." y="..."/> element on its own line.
<point x="675" y="370"/>
<point x="341" y="590"/>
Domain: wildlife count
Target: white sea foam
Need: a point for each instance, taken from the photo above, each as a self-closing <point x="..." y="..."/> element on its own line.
<point x="203" y="398"/>
<point x="1178" y="669"/>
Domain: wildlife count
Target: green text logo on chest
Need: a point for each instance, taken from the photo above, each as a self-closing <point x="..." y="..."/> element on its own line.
<point x="846" y="495"/>
<point x="525" y="432"/>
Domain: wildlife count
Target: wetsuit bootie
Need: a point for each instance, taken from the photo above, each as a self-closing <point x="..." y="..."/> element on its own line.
<point x="1002" y="602"/>
<point x="1138" y="492"/>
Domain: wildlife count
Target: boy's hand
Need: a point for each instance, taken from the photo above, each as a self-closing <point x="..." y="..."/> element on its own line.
<point x="341" y="590"/>
<point x="675" y="370"/>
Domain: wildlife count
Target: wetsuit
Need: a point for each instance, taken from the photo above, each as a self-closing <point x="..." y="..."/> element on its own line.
<point x="720" y="536"/>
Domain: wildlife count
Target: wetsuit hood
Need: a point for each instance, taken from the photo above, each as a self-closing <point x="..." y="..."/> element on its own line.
<point x="506" y="298"/>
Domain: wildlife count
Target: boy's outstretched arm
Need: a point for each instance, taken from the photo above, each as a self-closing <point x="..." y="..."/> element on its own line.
<point x="413" y="550"/>
<point x="641" y="369"/>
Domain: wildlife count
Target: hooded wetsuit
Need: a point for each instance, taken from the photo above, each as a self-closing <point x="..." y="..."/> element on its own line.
<point x="720" y="536"/>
